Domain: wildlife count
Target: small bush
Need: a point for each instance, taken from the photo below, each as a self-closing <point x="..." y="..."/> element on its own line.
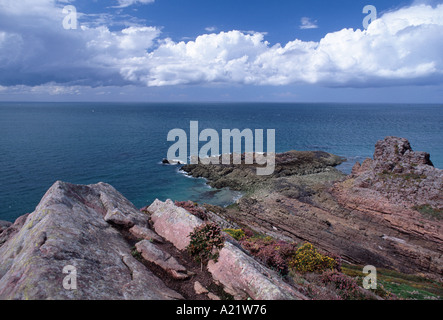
<point x="193" y="209"/>
<point x="308" y="259"/>
<point x="346" y="287"/>
<point x="206" y="241"/>
<point x="237" y="234"/>
<point x="275" y="254"/>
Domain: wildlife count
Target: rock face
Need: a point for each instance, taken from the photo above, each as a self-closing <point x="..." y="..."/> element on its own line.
<point x="4" y="225"/>
<point x="239" y="273"/>
<point x="387" y="213"/>
<point x="145" y="234"/>
<point x="88" y="232"/>
<point x="151" y="253"/>
<point x="173" y="223"/>
<point x="399" y="174"/>
<point x="401" y="190"/>
<point x="244" y="277"/>
<point x="68" y="229"/>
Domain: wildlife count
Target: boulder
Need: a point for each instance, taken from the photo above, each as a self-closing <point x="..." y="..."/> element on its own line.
<point x="199" y="288"/>
<point x="119" y="210"/>
<point x="145" y="234"/>
<point x="244" y="277"/>
<point x="173" y="223"/>
<point x="67" y="232"/>
<point x="153" y="254"/>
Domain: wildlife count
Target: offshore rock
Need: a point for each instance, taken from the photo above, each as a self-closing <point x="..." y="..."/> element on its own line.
<point x="244" y="178"/>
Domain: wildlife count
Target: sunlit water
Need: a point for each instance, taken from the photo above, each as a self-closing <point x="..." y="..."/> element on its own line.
<point x="123" y="144"/>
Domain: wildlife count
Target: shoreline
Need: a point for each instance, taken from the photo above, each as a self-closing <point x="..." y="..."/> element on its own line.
<point x="306" y="204"/>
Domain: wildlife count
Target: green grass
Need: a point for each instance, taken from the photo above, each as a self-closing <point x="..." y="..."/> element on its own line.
<point x="404" y="286"/>
<point x="428" y="211"/>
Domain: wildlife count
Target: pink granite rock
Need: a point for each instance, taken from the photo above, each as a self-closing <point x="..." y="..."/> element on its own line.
<point x="173" y="223"/>
<point x="67" y="229"/>
<point x="244" y="277"/>
<point x="152" y="253"/>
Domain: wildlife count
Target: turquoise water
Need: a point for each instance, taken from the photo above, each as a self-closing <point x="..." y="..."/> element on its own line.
<point x="123" y="144"/>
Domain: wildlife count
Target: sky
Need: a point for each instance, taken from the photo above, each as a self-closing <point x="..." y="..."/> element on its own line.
<point x="221" y="50"/>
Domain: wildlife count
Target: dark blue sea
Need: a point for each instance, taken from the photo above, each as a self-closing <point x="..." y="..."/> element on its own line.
<point x="123" y="144"/>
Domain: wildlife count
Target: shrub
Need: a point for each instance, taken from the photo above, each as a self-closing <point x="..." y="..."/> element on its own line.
<point x="193" y="209"/>
<point x="275" y="254"/>
<point x="237" y="234"/>
<point x="205" y="243"/>
<point x="346" y="287"/>
<point x="308" y="259"/>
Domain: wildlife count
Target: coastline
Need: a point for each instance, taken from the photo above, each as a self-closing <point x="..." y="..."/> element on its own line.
<point x="305" y="205"/>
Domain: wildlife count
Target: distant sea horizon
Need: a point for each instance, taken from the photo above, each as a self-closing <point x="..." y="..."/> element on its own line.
<point x="123" y="144"/>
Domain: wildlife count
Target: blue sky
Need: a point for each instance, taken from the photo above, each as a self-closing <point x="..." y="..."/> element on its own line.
<point x="213" y="50"/>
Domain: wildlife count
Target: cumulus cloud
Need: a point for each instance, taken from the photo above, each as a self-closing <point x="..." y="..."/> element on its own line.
<point x="402" y="47"/>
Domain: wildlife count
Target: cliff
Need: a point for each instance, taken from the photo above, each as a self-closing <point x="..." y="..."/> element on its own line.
<point x="387" y="213"/>
<point x="119" y="252"/>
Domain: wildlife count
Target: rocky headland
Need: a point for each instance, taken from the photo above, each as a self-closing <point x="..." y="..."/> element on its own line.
<point x="387" y="213"/>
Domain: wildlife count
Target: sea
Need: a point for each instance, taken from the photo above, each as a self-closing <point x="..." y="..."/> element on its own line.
<point x="123" y="144"/>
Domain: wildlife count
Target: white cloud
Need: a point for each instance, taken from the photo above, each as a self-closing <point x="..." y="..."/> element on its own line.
<point x="306" y="23"/>
<point x="211" y="29"/>
<point x="127" y="3"/>
<point x="402" y="47"/>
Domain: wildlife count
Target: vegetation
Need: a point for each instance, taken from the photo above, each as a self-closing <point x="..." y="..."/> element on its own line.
<point x="428" y="211"/>
<point x="137" y="255"/>
<point x="206" y="241"/>
<point x="346" y="287"/>
<point x="193" y="208"/>
<point x="393" y="284"/>
<point x="237" y="234"/>
<point x="308" y="259"/>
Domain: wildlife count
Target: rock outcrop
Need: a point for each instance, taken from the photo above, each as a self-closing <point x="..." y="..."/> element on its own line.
<point x="4" y="225"/>
<point x="244" y="277"/>
<point x="239" y="273"/>
<point x="387" y="213"/>
<point x="244" y="177"/>
<point x="402" y="176"/>
<point x="97" y="235"/>
<point x="68" y="229"/>
<point x="151" y="253"/>
<point x="401" y="190"/>
<point x="173" y="223"/>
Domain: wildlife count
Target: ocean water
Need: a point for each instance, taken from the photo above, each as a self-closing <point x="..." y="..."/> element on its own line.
<point x="123" y="144"/>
